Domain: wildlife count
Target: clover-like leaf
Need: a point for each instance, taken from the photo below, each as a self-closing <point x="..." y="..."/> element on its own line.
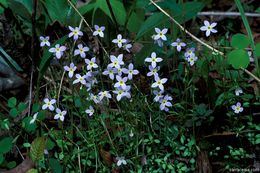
<point x="6" y="145"/>
<point x="238" y="58"/>
<point x="240" y="41"/>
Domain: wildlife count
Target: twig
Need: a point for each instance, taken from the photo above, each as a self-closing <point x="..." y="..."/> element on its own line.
<point x="219" y="13"/>
<point x="251" y="74"/>
<point x="187" y="32"/>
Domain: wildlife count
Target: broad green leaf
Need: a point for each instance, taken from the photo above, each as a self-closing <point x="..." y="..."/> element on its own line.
<point x="4" y="3"/>
<point x="9" y="60"/>
<point x="150" y="23"/>
<point x="22" y="12"/>
<point x="57" y="10"/>
<point x="240" y="41"/>
<point x="1" y="10"/>
<point x="22" y="107"/>
<point x="6" y="145"/>
<point x="55" y="165"/>
<point x="27" y="4"/>
<point x="27" y="126"/>
<point x="134" y="22"/>
<point x="117" y="7"/>
<point x="37" y="149"/>
<point x="238" y="58"/>
<point x="13" y="112"/>
<point x="12" y="102"/>
<point x="257" y="50"/>
<point x="119" y="11"/>
<point x="86" y="8"/>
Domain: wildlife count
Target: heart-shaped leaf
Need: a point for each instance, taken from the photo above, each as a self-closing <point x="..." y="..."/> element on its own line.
<point x="238" y="58"/>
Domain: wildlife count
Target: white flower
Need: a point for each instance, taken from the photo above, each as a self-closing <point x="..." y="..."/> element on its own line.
<point x="250" y="56"/>
<point x="58" y="50"/>
<point x="120" y="161"/>
<point x="90" y="111"/>
<point x="81" y="79"/>
<point x="192" y="60"/>
<point x="70" y="69"/>
<point x="153" y="71"/>
<point x="91" y="63"/>
<point x="95" y="98"/>
<point x="208" y="27"/>
<point x="159" y="42"/>
<point x="158" y="95"/>
<point x="99" y="31"/>
<point x="189" y="52"/>
<point x="116" y="61"/>
<point x="48" y="104"/>
<point x="178" y="44"/>
<point x="119" y="93"/>
<point x="103" y="94"/>
<point x="81" y="51"/>
<point x="237" y="108"/>
<point x="119" y="40"/>
<point x="111" y="72"/>
<point x="131" y="134"/>
<point x="160" y="34"/>
<point x="127" y="47"/>
<point x="44" y="41"/>
<point x="130" y="71"/>
<point x="60" y="114"/>
<point x="238" y="91"/>
<point x="165" y="103"/>
<point x="34" y="118"/>
<point x="120" y="82"/>
<point x="159" y="83"/>
<point x="153" y="59"/>
<point x="75" y="32"/>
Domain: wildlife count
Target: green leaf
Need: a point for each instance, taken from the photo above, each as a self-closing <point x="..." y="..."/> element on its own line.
<point x="55" y="165"/>
<point x="150" y="23"/>
<point x="32" y="171"/>
<point x="134" y="22"/>
<point x="57" y="10"/>
<point x="1" y="158"/>
<point x="50" y="145"/>
<point x="86" y="8"/>
<point x="35" y="107"/>
<point x="27" y="126"/>
<point x="22" y="107"/>
<point x="13" y="112"/>
<point x="9" y="60"/>
<point x="2" y="10"/>
<point x="12" y="102"/>
<point x="238" y="58"/>
<point x="119" y="11"/>
<point x="6" y="145"/>
<point x="240" y="41"/>
<point x="257" y="50"/>
<point x="37" y="149"/>
<point x="4" y="3"/>
<point x="257" y="10"/>
<point x="27" y="4"/>
<point x="78" y="102"/>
